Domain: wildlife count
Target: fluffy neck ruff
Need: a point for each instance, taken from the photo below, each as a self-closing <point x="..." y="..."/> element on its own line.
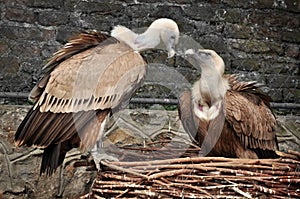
<point x="209" y="91"/>
<point x="207" y="107"/>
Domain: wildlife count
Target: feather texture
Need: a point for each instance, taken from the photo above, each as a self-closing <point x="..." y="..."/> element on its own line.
<point x="248" y="127"/>
<point x="91" y="76"/>
<point x="77" y="44"/>
<point x="69" y="87"/>
<point x="84" y="81"/>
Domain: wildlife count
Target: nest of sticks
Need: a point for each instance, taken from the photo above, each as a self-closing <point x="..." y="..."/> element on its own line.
<point x="155" y="172"/>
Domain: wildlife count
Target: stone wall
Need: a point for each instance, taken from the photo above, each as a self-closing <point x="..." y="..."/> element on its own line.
<point x="258" y="39"/>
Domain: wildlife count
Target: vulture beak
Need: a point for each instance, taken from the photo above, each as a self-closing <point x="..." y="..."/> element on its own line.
<point x="171" y="48"/>
<point x="170" y="38"/>
<point x="171" y="53"/>
<point x="189" y="52"/>
<point x="192" y="57"/>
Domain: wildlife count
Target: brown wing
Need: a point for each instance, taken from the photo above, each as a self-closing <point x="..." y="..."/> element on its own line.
<point x="76" y="45"/>
<point x="82" y="127"/>
<point x="248" y="112"/>
<point x="187" y="116"/>
<point x="91" y="75"/>
<point x="95" y="79"/>
<point x="113" y="69"/>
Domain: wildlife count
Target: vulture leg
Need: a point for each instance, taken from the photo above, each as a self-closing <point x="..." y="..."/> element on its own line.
<point x="99" y="154"/>
<point x="97" y="124"/>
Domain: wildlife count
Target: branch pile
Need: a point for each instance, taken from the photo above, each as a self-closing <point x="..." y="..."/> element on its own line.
<point x="198" y="177"/>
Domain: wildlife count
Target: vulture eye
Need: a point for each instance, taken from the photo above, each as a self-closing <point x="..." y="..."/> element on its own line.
<point x="205" y="53"/>
<point x="172" y="37"/>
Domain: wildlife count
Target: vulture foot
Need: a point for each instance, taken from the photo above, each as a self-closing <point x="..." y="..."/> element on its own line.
<point x="100" y="155"/>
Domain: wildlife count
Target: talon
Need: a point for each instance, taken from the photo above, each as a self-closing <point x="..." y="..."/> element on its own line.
<point x="98" y="157"/>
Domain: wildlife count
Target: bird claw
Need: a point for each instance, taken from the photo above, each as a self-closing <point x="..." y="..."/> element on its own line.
<point x="103" y="156"/>
<point x="202" y="153"/>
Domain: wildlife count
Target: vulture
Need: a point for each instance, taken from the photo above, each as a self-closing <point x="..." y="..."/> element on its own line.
<point x="84" y="83"/>
<point x="224" y="116"/>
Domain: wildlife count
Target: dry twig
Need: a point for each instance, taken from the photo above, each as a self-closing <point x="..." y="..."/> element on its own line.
<point x="164" y="176"/>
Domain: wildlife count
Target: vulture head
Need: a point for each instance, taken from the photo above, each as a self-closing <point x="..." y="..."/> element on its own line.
<point x="209" y="91"/>
<point x="160" y="31"/>
<point x="207" y="60"/>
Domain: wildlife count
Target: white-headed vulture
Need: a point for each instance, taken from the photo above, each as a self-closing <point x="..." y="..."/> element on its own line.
<point x="224" y="116"/>
<point x="84" y="83"/>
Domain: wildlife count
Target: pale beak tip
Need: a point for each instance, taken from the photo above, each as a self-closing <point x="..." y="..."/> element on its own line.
<point x="171" y="53"/>
<point x="189" y="52"/>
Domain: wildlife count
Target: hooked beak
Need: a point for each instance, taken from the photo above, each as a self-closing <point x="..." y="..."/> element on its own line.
<point x="189" y="52"/>
<point x="171" y="48"/>
<point x="171" y="53"/>
<point x="192" y="57"/>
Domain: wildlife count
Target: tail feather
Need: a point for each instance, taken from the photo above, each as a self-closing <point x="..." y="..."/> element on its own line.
<point x="55" y="154"/>
<point x="53" y="157"/>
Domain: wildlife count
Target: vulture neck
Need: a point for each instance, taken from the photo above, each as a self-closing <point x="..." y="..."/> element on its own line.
<point x="209" y="92"/>
<point x="139" y="42"/>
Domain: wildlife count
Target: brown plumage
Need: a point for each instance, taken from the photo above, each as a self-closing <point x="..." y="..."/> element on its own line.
<point x="239" y="124"/>
<point x="69" y="109"/>
<point x="85" y="81"/>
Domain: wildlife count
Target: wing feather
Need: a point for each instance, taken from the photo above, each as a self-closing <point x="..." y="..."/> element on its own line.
<point x="84" y="81"/>
<point x="113" y="69"/>
<point x="186" y="114"/>
<point x="55" y="128"/>
<point x="75" y="45"/>
<point x="67" y="88"/>
<point x="250" y="116"/>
